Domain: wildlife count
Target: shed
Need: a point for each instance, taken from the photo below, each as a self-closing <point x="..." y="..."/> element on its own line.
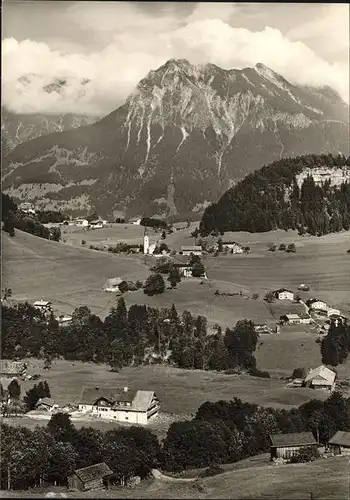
<point x="291" y="319"/>
<point x="340" y="443"/>
<point x="89" y="478"/>
<point x="46" y="404"/>
<point x="194" y="249"/>
<point x="287" y="445"/>
<point x="321" y="378"/>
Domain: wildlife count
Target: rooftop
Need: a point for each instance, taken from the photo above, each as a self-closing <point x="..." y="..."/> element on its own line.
<point x="45" y="401"/>
<point x="341" y="438"/>
<point x="191" y="248"/>
<point x="293" y="439"/>
<point x="321" y="372"/>
<point x="42" y="303"/>
<point x="93" y="472"/>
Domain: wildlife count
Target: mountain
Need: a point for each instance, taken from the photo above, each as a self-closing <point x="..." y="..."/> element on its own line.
<point x="16" y="129"/>
<point x="182" y="137"/>
<point x="309" y="193"/>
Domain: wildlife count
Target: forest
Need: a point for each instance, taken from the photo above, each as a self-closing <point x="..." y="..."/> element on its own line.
<point x="140" y="335"/>
<point x="220" y="432"/>
<point x="271" y="198"/>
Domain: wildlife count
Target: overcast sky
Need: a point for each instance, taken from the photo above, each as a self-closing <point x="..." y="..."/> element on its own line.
<point x="115" y="44"/>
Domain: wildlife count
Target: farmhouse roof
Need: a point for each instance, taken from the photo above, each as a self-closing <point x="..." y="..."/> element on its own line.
<point x="93" y="472"/>
<point x="292" y="439"/>
<point x="231" y="243"/>
<point x="45" y="401"/>
<point x="291" y="316"/>
<point x="11" y="367"/>
<point x="341" y="438"/>
<point x="42" y="303"/>
<point x="280" y="290"/>
<point x="321" y="372"/>
<point x="140" y="400"/>
<point x="194" y="248"/>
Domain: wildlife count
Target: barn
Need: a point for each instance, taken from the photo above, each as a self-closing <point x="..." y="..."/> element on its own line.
<point x="340" y="443"/>
<point x="89" y="478"/>
<point x="287" y="445"/>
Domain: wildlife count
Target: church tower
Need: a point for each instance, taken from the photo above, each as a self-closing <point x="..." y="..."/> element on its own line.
<point x="145" y="242"/>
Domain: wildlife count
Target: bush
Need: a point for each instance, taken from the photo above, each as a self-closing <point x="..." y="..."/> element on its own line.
<point x="255" y="296"/>
<point x="123" y="287"/>
<point x="154" y="285"/>
<point x="305" y="455"/>
<point x="282" y="247"/>
<point x="272" y="248"/>
<point x="83" y="242"/>
<point x="291" y="248"/>
<point x="299" y="373"/>
<point x="254" y="372"/>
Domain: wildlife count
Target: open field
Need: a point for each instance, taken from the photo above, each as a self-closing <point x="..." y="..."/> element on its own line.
<point x="324" y="479"/>
<point x="180" y="391"/>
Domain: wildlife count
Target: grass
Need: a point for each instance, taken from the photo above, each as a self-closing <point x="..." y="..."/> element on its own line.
<point x="324" y="479"/>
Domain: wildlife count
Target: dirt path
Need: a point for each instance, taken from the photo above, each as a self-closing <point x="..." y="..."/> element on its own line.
<point x="158" y="475"/>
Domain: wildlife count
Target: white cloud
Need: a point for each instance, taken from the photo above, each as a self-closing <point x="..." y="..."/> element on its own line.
<point x="135" y="42"/>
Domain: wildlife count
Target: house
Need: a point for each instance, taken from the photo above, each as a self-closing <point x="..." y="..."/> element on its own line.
<point x="82" y="222"/>
<point x="305" y="319"/>
<point x="283" y="294"/>
<point x="45" y="404"/>
<point x="333" y="312"/>
<point x="340" y="443"/>
<point x="135" y="220"/>
<point x="96" y="224"/>
<point x="321" y="378"/>
<point x="287" y="445"/>
<point x="232" y="246"/>
<point x="43" y="305"/>
<point x="112" y="285"/>
<point x="262" y="328"/>
<point x="89" y="478"/>
<point x="123" y="405"/>
<point x="185" y="270"/>
<point x="12" y="369"/>
<point x="188" y="250"/>
<point x="291" y="319"/>
<point x="317" y="305"/>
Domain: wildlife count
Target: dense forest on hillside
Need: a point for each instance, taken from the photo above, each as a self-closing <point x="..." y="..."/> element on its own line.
<point x="140" y="335"/>
<point x="14" y="218"/>
<point x="271" y="198"/>
<point x="220" y="432"/>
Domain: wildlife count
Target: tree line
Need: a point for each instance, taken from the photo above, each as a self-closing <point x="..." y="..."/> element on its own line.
<point x="335" y="346"/>
<point x="271" y="198"/>
<point x="220" y="432"/>
<point x="134" y="336"/>
<point x="13" y="218"/>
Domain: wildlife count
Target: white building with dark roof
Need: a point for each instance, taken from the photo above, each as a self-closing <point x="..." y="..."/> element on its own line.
<point x="321" y="378"/>
<point x="192" y="249"/>
<point x="122" y="405"/>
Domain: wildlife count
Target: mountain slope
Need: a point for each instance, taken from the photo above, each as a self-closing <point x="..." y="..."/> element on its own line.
<point x="309" y="193"/>
<point x="183" y="136"/>
<point x="16" y="129"/>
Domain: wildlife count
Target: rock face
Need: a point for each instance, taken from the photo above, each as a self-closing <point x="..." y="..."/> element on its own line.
<point x="181" y="139"/>
<point x="16" y="129"/>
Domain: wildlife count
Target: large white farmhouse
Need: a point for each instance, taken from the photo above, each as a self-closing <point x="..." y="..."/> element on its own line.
<point x="283" y="294"/>
<point x="122" y="405"/>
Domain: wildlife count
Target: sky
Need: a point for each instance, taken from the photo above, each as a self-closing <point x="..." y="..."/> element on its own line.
<point x="103" y="49"/>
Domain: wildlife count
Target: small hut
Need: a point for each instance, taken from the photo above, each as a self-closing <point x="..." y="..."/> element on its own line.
<point x="89" y="478"/>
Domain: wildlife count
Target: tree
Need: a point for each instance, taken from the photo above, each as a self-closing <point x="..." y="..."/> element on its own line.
<point x="14" y="389"/>
<point x="198" y="269"/>
<point x="62" y="463"/>
<point x="174" y="276"/>
<point x="9" y="224"/>
<point x="123" y="287"/>
<point x="291" y="248"/>
<point x="37" y="392"/>
<point x="61" y="427"/>
<point x="269" y="297"/>
<point x="282" y="247"/>
<point x="241" y="343"/>
<point x="299" y="373"/>
<point x="220" y="245"/>
<point x="163" y="235"/>
<point x="154" y="285"/>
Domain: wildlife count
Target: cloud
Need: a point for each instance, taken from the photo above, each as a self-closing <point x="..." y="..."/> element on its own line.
<point x="135" y="41"/>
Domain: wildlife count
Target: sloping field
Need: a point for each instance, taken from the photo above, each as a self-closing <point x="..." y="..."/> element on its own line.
<point x="319" y="480"/>
<point x="36" y="268"/>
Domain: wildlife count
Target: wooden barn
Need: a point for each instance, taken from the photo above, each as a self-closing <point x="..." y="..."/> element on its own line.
<point x="340" y="443"/>
<point x="89" y="478"/>
<point x="287" y="445"/>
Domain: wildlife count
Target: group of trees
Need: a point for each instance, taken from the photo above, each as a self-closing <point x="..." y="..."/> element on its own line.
<point x="290" y="248"/>
<point x="48" y="455"/>
<point x="335" y="346"/>
<point x="128" y="337"/>
<point x="227" y="431"/>
<point x="53" y="216"/>
<point x="153" y="222"/>
<point x="13" y="218"/>
<point x="271" y="198"/>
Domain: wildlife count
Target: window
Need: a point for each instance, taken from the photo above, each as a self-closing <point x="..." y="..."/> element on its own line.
<point x="126" y="418"/>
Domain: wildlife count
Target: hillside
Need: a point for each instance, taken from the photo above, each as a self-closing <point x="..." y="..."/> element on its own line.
<point x="309" y="193"/>
<point x="184" y="135"/>
<point x="16" y="129"/>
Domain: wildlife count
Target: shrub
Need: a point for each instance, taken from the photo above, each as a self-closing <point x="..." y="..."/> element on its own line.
<point x="83" y="242"/>
<point x="299" y="373"/>
<point x="154" y="285"/>
<point x="305" y="455"/>
<point x="282" y="247"/>
<point x="272" y="248"/>
<point x="255" y="296"/>
<point x="254" y="372"/>
<point x="291" y="248"/>
<point x="123" y="287"/>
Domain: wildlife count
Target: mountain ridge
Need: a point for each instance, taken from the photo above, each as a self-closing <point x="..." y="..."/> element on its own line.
<point x="182" y="137"/>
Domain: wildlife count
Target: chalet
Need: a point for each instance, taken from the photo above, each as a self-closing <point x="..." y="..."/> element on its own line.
<point x="43" y="305"/>
<point x="89" y="478"/>
<point x="96" y="224"/>
<point x="290" y="319"/>
<point x="12" y="369"/>
<point x="123" y="405"/>
<point x="283" y="294"/>
<point x="188" y="250"/>
<point x="321" y="378"/>
<point x="185" y="270"/>
<point x="340" y="443"/>
<point x="317" y="305"/>
<point x="262" y="329"/>
<point x="333" y="312"/>
<point x="45" y="404"/>
<point x="112" y="285"/>
<point x="82" y="222"/>
<point x="305" y="319"/>
<point x="232" y="246"/>
<point x="287" y="445"/>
